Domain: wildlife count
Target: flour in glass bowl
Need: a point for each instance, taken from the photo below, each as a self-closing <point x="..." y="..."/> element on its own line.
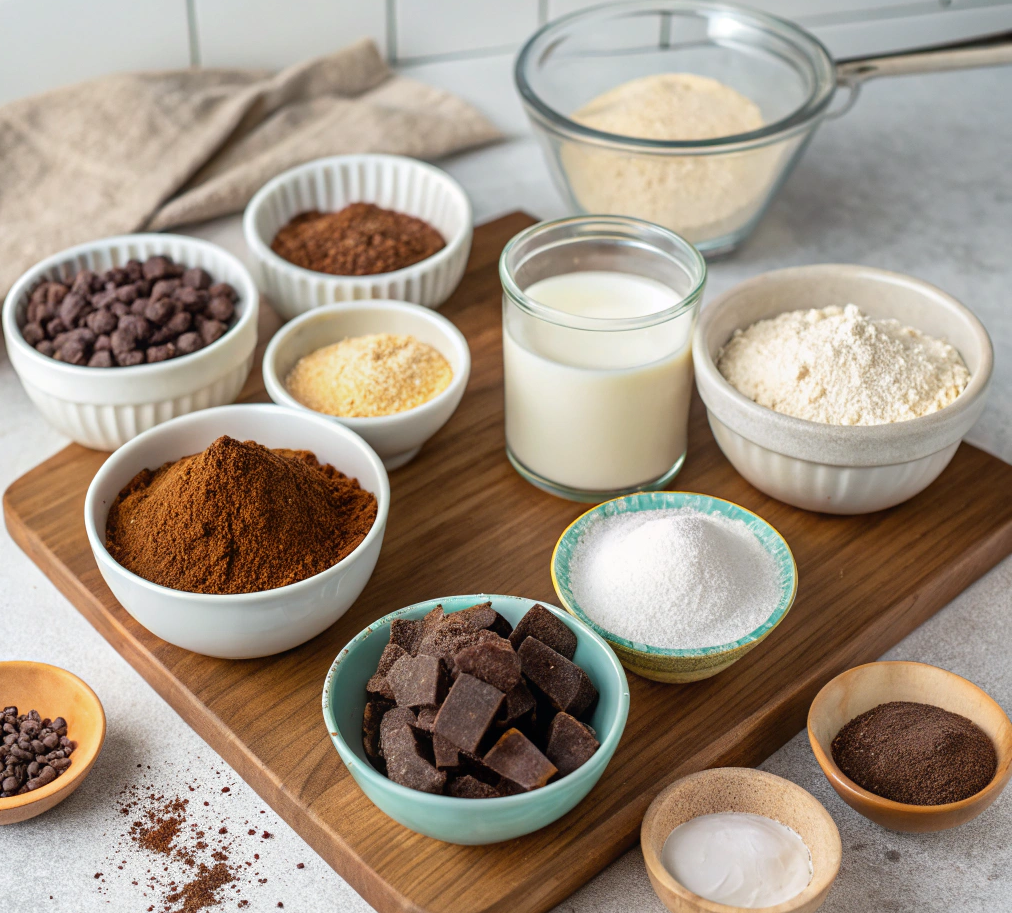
<point x="674" y="578"/>
<point x="840" y="367"/>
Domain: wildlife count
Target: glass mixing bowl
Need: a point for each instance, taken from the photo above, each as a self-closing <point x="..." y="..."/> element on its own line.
<point x="710" y="191"/>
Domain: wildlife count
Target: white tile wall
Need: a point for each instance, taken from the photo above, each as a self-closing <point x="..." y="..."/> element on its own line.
<point x="46" y="43"/>
<point x="276" y="33"/>
<point x="52" y="43"/>
<point x="427" y="27"/>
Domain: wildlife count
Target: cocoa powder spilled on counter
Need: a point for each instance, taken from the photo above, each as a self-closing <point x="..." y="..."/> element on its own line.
<point x="915" y="753"/>
<point x="359" y="240"/>
<point x="237" y="518"/>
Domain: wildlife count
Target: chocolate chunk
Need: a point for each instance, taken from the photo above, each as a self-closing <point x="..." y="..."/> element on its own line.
<point x="378" y="686"/>
<point x="371" y="720"/>
<point x="492" y="661"/>
<point x="164" y="288"/>
<point x="467" y="712"/>
<point x="70" y="309"/>
<point x="404" y="755"/>
<point x="564" y="683"/>
<point x="542" y="624"/>
<point x="417" y="681"/>
<point x="160" y="352"/>
<point x="179" y="322"/>
<point x="518" y="759"/>
<point x="406" y="632"/>
<point x="129" y="359"/>
<point x="102" y="321"/>
<point x="446" y="753"/>
<point x="570" y="743"/>
<point x="427" y="718"/>
<point x="468" y="787"/>
<point x="210" y="330"/>
<point x="517" y="708"/>
<point x="482" y="617"/>
<point x="446" y="640"/>
<point x="159" y="310"/>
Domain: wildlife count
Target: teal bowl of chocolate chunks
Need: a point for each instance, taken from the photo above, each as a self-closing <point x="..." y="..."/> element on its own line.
<point x="476" y="719"/>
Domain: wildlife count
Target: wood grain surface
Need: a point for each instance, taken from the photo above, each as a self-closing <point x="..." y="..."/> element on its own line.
<point x="462" y="521"/>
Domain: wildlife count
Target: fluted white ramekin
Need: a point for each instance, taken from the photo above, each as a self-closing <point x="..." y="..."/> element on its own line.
<point x="391" y="181"/>
<point x="103" y="408"/>
<point x="839" y="469"/>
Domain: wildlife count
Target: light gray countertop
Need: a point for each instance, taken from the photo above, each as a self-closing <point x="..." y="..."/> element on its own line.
<point x="914" y="179"/>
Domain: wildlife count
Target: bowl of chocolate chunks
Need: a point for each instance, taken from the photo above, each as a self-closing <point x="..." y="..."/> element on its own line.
<point x="495" y="700"/>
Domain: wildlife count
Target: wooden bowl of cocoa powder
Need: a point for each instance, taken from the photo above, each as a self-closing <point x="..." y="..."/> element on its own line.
<point x="859" y="690"/>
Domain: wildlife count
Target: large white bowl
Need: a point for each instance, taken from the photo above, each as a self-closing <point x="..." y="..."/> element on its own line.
<point x="104" y="408"/>
<point x="839" y="469"/>
<point x="396" y="438"/>
<point x="329" y="184"/>
<point x="249" y="624"/>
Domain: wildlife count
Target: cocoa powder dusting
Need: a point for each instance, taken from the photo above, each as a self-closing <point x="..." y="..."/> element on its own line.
<point x="237" y="518"/>
<point x="915" y="753"/>
<point x="359" y="240"/>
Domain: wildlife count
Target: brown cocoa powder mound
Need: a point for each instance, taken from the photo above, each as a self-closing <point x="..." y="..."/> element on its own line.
<point x="915" y="753"/>
<point x="359" y="240"/>
<point x="237" y="518"/>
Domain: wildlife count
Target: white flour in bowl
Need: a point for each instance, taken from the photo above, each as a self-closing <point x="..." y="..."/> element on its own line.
<point x="675" y="578"/>
<point x="840" y="367"/>
<point x="698" y="196"/>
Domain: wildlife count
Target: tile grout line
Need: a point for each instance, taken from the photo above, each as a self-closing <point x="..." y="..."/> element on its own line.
<point x="391" y="28"/>
<point x="192" y="33"/>
<point x="450" y="56"/>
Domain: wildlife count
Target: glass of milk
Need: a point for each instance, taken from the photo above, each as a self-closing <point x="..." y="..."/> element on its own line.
<point x="598" y="313"/>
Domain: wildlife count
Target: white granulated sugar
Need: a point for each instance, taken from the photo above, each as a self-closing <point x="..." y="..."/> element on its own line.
<point x="840" y="367"/>
<point x="700" y="196"/>
<point x="674" y="578"/>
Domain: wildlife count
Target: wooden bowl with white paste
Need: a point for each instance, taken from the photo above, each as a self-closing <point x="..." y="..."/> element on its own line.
<point x="740" y="789"/>
<point x="839" y="469"/>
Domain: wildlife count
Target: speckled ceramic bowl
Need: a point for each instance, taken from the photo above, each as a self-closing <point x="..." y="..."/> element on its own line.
<point x="839" y="469"/>
<point x="664" y="664"/>
<point x="471" y="821"/>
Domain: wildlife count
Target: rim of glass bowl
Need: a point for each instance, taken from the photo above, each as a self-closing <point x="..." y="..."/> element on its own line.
<point x="692" y="260"/>
<point x="820" y="62"/>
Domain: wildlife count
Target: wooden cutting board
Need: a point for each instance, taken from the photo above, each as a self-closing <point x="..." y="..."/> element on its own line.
<point x="462" y="521"/>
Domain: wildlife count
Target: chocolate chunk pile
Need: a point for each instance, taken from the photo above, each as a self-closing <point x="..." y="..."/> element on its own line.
<point x="466" y="705"/>
<point x="35" y="751"/>
<point x="129" y="315"/>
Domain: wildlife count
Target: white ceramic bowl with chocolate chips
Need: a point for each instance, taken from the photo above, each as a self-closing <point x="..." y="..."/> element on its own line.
<point x="104" y="407"/>
<point x="394" y="182"/>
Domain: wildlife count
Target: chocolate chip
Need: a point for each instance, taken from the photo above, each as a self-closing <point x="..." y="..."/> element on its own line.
<point x="159" y="309"/>
<point x="220" y="309"/>
<point x="155" y="268"/>
<point x="101" y="358"/>
<point x="189" y="342"/>
<point x="160" y="353"/>
<point x="164" y="288"/>
<point x="223" y="290"/>
<point x="197" y="278"/>
<point x="33" y="333"/>
<point x="129" y="359"/>
<point x="102" y="321"/>
<point x="210" y="330"/>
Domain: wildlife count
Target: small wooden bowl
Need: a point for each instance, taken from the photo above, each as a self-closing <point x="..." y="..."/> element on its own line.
<point x="859" y="689"/>
<point x="740" y="789"/>
<point x="53" y="692"/>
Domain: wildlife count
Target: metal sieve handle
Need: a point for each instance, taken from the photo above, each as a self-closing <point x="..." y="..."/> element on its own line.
<point x="987" y="52"/>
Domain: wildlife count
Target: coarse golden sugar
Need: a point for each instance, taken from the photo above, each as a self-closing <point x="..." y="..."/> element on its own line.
<point x="369" y="376"/>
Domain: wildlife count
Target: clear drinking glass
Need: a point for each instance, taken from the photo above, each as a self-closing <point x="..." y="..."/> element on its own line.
<point x="597" y="407"/>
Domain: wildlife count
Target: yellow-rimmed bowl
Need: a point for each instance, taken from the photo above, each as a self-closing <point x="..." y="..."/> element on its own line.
<point x="667" y="664"/>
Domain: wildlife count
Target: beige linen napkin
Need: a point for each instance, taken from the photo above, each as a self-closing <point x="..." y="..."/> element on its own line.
<point x="155" y="150"/>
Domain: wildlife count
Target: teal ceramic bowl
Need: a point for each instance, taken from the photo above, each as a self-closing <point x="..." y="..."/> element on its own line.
<point x="673" y="665"/>
<point x="471" y="821"/>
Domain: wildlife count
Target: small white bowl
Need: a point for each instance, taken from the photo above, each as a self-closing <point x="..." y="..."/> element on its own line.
<point x="249" y="624"/>
<point x="396" y="438"/>
<point x="103" y="408"/>
<point x="329" y="184"/>
<point x="839" y="469"/>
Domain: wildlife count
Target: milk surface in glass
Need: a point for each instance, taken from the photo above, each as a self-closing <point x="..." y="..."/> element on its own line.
<point x="601" y="409"/>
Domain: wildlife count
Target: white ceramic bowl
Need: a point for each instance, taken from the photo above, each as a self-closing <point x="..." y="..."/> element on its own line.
<point x="104" y="408"/>
<point x="249" y="624"/>
<point x="396" y="438"/>
<point x="329" y="184"/>
<point x="839" y="469"/>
